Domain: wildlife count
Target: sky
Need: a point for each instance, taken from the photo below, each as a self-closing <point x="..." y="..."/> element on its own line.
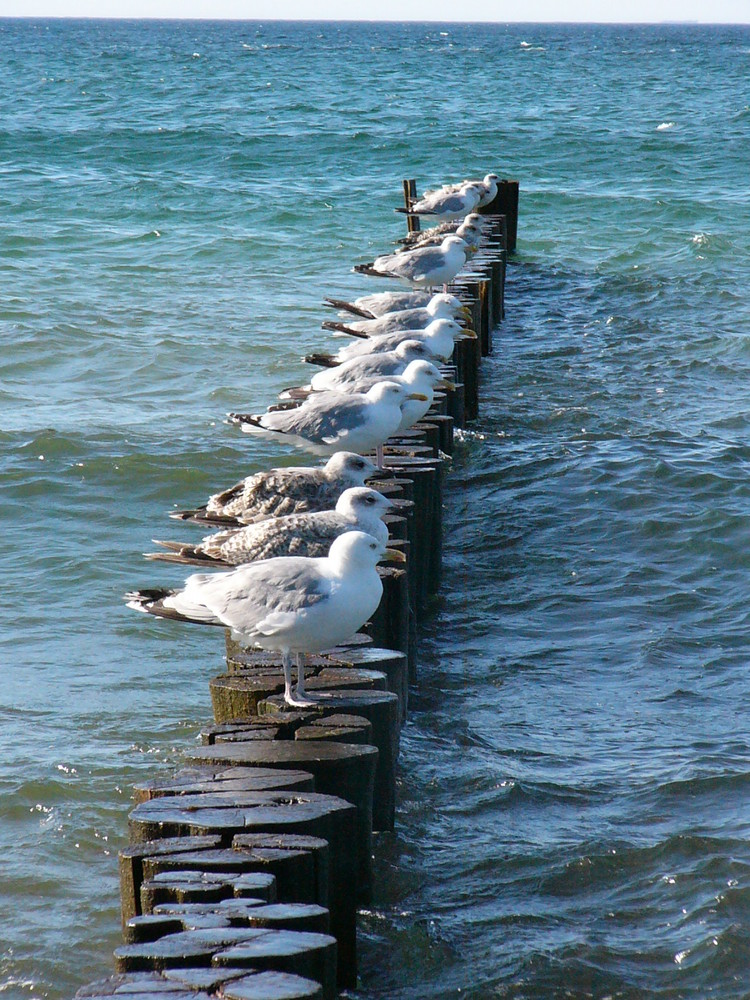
<point x="717" y="11"/>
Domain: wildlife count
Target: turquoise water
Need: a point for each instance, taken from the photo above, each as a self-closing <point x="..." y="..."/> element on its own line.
<point x="176" y="200"/>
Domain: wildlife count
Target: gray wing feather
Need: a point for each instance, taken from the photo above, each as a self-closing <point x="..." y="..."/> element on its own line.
<point x="243" y="598"/>
<point x="321" y="417"/>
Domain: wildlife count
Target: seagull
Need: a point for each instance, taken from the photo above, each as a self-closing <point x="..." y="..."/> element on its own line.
<point x="288" y="605"/>
<point x="487" y="188"/>
<point x="469" y="229"/>
<point x="440" y="306"/>
<point x="449" y="204"/>
<point x="378" y="367"/>
<point x="424" y="267"/>
<point x="370" y="306"/>
<point x="421" y="377"/>
<point x="439" y="337"/>
<point x="490" y="183"/>
<point x="276" y="492"/>
<point x="357" y="509"/>
<point x="327" y="421"/>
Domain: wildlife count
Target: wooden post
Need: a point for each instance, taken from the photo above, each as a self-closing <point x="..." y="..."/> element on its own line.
<point x="444" y="424"/>
<point x="236" y="694"/>
<point x="381" y="709"/>
<point x="410" y="196"/>
<point x="130" y="862"/>
<point x="197" y="780"/>
<point x="343" y="770"/>
<point x="299" y="953"/>
<point x="389" y="624"/>
<point x="229" y="820"/>
<point x="485" y="313"/>
<point x="298" y="864"/>
<point x="506" y="203"/>
<point x="184" y="983"/>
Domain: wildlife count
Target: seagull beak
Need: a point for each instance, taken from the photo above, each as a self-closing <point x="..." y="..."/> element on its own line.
<point x="445" y="383"/>
<point x="393" y="555"/>
<point x="469" y="333"/>
<point x="418" y="395"/>
<point x="466" y="313"/>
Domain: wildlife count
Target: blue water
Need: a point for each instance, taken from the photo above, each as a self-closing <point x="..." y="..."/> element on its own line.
<point x="176" y="200"/>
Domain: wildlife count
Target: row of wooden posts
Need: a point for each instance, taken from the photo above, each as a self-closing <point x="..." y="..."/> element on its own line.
<point x="245" y="869"/>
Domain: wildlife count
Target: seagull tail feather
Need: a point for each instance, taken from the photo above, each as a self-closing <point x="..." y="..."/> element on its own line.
<point x="349" y="307"/>
<point x="343" y="328"/>
<point x="324" y="360"/>
<point x="369" y="269"/>
<point x="296" y="392"/>
<point x="185" y="555"/>
<point x="244" y="418"/>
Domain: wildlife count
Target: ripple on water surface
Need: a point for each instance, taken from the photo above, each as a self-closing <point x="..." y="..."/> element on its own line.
<point x="178" y="197"/>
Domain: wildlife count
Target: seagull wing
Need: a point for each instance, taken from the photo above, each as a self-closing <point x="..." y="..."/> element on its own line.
<point x="322" y="417"/>
<point x="245" y="598"/>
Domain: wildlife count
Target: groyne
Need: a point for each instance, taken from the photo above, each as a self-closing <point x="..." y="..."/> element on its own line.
<point x="245" y="869"/>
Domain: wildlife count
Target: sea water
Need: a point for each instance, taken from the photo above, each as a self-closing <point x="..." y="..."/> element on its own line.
<point x="177" y="198"/>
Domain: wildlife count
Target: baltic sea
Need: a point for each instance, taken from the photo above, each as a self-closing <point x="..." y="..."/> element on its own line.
<point x="177" y="198"/>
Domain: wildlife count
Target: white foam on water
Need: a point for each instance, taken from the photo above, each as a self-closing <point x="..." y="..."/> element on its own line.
<point x="665" y="126"/>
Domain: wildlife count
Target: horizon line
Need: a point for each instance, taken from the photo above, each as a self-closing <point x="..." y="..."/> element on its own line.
<point x="337" y="20"/>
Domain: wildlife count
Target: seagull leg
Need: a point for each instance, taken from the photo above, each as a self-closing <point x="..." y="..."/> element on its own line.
<point x="295" y="699"/>
<point x="286" y="662"/>
<point x="300" y="675"/>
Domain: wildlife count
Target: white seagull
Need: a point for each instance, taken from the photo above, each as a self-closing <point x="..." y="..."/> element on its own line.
<point x="420" y="377"/>
<point x="370" y="306"/>
<point x="439" y="337"/>
<point x="328" y="421"/>
<point x="487" y="188"/>
<point x="441" y="306"/>
<point x="424" y="267"/>
<point x="449" y="204"/>
<point x="291" y="605"/>
<point x="378" y="367"/>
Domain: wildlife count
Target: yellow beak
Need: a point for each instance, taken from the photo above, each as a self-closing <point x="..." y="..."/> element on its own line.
<point x="466" y="313"/>
<point x="418" y="395"/>
<point x="470" y="334"/>
<point x="393" y="555"/>
<point x="446" y="383"/>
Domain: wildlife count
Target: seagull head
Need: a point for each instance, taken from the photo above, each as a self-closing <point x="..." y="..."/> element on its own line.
<point x="443" y="304"/>
<point x="358" y="552"/>
<point x="441" y="327"/>
<point x="424" y="375"/>
<point x="411" y="350"/>
<point x="349" y="468"/>
<point x="387" y="392"/>
<point x="360" y="501"/>
<point x="454" y="242"/>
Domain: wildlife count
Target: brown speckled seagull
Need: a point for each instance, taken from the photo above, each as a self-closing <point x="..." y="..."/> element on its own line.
<point x="278" y="492"/>
<point x="358" y="509"/>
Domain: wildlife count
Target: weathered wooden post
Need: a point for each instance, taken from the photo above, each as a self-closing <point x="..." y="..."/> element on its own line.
<point x="410" y="196"/>
<point x="506" y="203"/>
